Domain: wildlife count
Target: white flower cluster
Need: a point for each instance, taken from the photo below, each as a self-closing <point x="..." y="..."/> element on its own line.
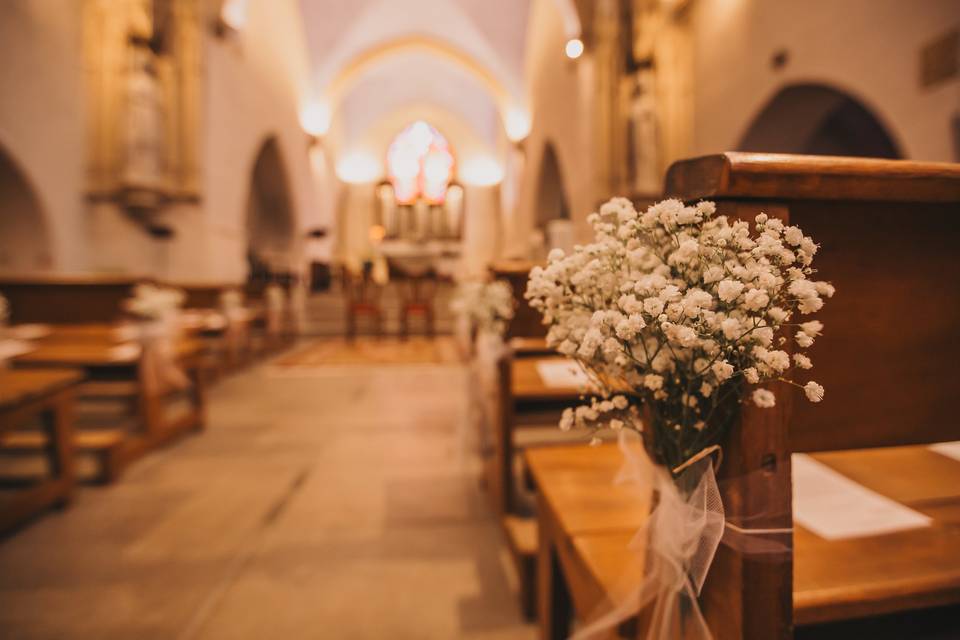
<point x="152" y="302"/>
<point x="682" y="310"/>
<point x="487" y="305"/>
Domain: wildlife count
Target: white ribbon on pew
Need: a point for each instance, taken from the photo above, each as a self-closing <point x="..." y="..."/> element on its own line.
<point x="676" y="547"/>
<point x="159" y="358"/>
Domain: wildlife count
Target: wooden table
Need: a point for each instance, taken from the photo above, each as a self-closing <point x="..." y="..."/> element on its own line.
<point x="49" y="395"/>
<point x="586" y="524"/>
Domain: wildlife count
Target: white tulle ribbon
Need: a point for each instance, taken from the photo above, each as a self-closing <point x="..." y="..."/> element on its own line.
<point x="676" y="546"/>
<point x="161" y="373"/>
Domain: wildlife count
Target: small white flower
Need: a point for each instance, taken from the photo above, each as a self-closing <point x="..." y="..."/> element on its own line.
<point x="814" y="391"/>
<point x="750" y="375"/>
<point x="620" y="402"/>
<point x="722" y="370"/>
<point x="756" y="299"/>
<point x="813" y="328"/>
<point x="729" y="290"/>
<point x="616" y="425"/>
<point x="802" y="361"/>
<point x="764" y="399"/>
<point x="652" y="381"/>
<point x="803" y="339"/>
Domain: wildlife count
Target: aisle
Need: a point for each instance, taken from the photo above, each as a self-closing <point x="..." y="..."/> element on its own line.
<point x="335" y="504"/>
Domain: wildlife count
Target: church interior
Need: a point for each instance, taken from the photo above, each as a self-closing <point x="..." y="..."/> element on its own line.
<point x="480" y="319"/>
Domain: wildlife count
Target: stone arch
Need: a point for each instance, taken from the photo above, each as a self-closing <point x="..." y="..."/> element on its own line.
<point x="818" y="119"/>
<point x="25" y="244"/>
<point x="552" y="203"/>
<point x="270" y="217"/>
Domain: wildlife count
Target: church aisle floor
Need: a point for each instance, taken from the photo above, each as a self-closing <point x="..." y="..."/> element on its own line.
<point x="324" y="503"/>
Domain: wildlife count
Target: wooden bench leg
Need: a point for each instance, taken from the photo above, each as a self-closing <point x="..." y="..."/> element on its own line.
<point x="58" y="424"/>
<point x="553" y="599"/>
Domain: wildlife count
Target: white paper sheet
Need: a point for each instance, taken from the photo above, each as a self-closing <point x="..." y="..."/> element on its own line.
<point x="13" y="348"/>
<point x="835" y="507"/>
<point x="949" y="449"/>
<point x="562" y="374"/>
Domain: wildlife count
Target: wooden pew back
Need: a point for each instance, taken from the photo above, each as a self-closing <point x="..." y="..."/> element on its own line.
<point x="67" y="299"/>
<point x="887" y="231"/>
<point x="527" y="321"/>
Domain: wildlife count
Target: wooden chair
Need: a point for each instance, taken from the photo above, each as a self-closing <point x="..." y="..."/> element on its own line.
<point x="888" y="232"/>
<point x="363" y="299"/>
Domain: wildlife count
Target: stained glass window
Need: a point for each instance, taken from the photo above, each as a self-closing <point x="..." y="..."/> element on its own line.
<point x="420" y="164"/>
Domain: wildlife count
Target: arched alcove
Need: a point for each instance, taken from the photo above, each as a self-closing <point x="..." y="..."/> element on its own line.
<point x="271" y="226"/>
<point x="551" y="197"/>
<point x="819" y="120"/>
<point x="24" y="236"/>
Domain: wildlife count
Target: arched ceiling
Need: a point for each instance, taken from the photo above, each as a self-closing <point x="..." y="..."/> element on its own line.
<point x="411" y="78"/>
<point x="491" y="33"/>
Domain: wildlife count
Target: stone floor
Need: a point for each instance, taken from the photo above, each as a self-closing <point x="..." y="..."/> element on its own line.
<point x="325" y="503"/>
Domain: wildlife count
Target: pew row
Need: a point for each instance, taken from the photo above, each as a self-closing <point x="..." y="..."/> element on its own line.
<point x="47" y="396"/>
<point x="119" y="373"/>
<point x="888" y="232"/>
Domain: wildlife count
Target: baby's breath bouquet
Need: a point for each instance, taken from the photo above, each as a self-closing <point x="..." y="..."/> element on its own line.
<point x="488" y="306"/>
<point x="683" y="313"/>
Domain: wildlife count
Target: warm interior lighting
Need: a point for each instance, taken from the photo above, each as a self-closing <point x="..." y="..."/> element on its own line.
<point x="234" y="14"/>
<point x="517" y="124"/>
<point x="420" y="163"/>
<point x="481" y="171"/>
<point x="574" y="48"/>
<point x="377" y="233"/>
<point x="358" y="167"/>
<point x="315" y="118"/>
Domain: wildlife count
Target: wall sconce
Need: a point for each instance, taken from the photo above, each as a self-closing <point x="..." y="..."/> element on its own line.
<point x="231" y="19"/>
<point x="574" y="48"/>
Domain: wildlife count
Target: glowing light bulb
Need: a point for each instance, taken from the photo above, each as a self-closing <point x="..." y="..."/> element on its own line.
<point x="358" y="167"/>
<point x="481" y="171"/>
<point x="517" y="124"/>
<point x="574" y="48"/>
<point x="315" y="118"/>
<point x="234" y="14"/>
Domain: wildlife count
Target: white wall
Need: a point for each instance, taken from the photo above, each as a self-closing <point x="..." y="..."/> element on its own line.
<point x="562" y="107"/>
<point x="254" y="84"/>
<point x="42" y="115"/>
<point x="867" y="48"/>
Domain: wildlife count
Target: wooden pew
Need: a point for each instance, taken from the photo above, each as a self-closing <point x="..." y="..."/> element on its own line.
<point x="526" y="321"/>
<point x="49" y="396"/>
<point x="116" y="372"/>
<point x="888" y="232"/>
<point x="89" y="298"/>
<point x="527" y="413"/>
<point x="227" y="344"/>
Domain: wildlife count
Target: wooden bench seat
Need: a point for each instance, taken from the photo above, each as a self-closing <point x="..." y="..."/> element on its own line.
<point x="116" y="372"/>
<point x="107" y="445"/>
<point x="833" y="579"/>
<point x="49" y="396"/>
